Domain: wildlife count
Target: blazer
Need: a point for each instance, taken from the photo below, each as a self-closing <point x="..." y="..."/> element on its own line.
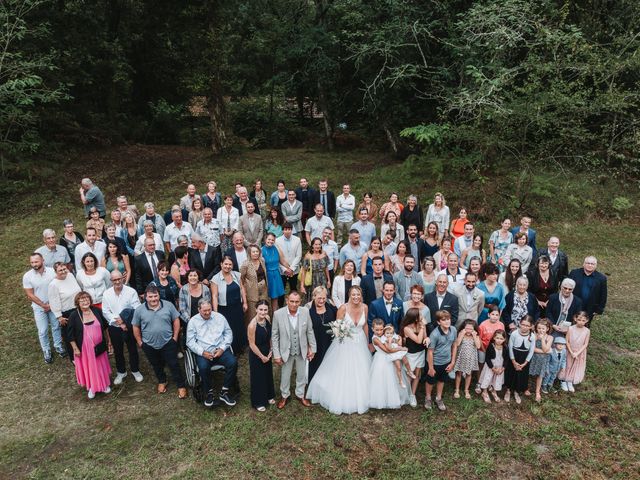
<point x="211" y="261"/>
<point x="238" y="205"/>
<point x="232" y="253"/>
<point x="560" y="267"/>
<point x="378" y="309"/>
<point x="469" y="311"/>
<point x="449" y="303"/>
<point x="369" y="288"/>
<point x="281" y="333"/>
<point x="338" y="293"/>
<point x="401" y="289"/>
<point x="75" y="327"/>
<point x="143" y="272"/>
<point x="331" y="203"/>
<point x="307" y="204"/>
<point x="251" y="228"/>
<point x="598" y="298"/>
<point x="534" y="280"/>
<point x="249" y="277"/>
<point x="293" y="214"/>
<point x="532" y="308"/>
<point x="408" y="217"/>
<point x="554" y="307"/>
<point x="292" y="254"/>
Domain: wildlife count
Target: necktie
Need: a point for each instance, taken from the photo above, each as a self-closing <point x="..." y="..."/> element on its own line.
<point x="324" y="203"/>
<point x="154" y="268"/>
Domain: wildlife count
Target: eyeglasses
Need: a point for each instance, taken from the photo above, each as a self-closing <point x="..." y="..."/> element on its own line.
<point x="116" y="280"/>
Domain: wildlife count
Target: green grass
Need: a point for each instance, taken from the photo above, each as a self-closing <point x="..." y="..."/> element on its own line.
<point x="48" y="429"/>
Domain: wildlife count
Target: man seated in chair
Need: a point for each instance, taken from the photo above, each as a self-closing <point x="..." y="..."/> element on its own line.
<point x="209" y="338"/>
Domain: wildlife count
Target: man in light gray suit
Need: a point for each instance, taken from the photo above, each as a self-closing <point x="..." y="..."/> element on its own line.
<point x="292" y="212"/>
<point x="470" y="300"/>
<point x="250" y="224"/>
<point x="293" y="341"/>
<point x="406" y="279"/>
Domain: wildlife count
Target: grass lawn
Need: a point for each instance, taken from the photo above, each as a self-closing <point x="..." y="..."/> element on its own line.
<point x="49" y="429"/>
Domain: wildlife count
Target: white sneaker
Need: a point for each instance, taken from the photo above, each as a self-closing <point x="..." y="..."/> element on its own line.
<point x="570" y="387"/>
<point x="137" y="376"/>
<point x="564" y="387"/>
<point x="107" y="390"/>
<point x="412" y="401"/>
<point x="119" y="378"/>
<point x="91" y="395"/>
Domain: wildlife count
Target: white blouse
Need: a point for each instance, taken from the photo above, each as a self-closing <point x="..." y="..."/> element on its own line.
<point x="228" y="219"/>
<point x="96" y="284"/>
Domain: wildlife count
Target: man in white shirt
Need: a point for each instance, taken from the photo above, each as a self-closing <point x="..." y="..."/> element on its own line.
<point x="465" y="241"/>
<point x="209" y="228"/>
<point x="332" y="250"/>
<point x="51" y="251"/>
<point x="345" y="205"/>
<point x="366" y="228"/>
<point x="470" y="300"/>
<point x="36" y="285"/>
<point x="353" y="250"/>
<point x="316" y="224"/>
<point x="175" y="229"/>
<point x="292" y="211"/>
<point x="117" y="301"/>
<point x="455" y="274"/>
<point x="389" y="246"/>
<point x="291" y="248"/>
<point x="90" y="244"/>
<point x="250" y="224"/>
<point x="186" y="202"/>
<point x="124" y="207"/>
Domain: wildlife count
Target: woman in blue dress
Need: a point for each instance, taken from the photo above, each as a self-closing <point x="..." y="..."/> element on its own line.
<point x="375" y="250"/>
<point x="272" y="257"/>
<point x="494" y="292"/>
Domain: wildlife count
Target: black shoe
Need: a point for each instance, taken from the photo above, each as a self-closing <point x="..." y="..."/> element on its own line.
<point x="48" y="359"/>
<point x="226" y="398"/>
<point x="210" y="400"/>
<point x="62" y="354"/>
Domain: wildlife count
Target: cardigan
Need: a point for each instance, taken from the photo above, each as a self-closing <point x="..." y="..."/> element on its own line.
<point x="492" y="354"/>
<point x="75" y="327"/>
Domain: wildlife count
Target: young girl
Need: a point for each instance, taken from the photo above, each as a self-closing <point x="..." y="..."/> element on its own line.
<point x="384" y="391"/>
<point x="497" y="357"/>
<point x="414" y="334"/>
<point x="540" y="361"/>
<point x="468" y="344"/>
<point x="521" y="346"/>
<point x="396" y="353"/>
<point x="486" y="330"/>
<point x="577" y="343"/>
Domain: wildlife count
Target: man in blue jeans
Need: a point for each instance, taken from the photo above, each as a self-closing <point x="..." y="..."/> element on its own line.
<point x="209" y="337"/>
<point x="156" y="326"/>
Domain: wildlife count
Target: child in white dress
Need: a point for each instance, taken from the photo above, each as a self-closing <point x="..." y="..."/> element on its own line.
<point x="384" y="390"/>
<point x="396" y="353"/>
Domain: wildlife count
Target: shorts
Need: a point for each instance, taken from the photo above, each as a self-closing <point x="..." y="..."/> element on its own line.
<point x="440" y="376"/>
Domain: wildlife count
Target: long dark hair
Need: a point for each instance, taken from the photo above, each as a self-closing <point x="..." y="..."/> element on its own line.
<point x="410" y="318"/>
<point x="509" y="278"/>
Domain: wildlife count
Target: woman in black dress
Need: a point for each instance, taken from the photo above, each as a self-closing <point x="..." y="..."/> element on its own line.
<point x="229" y="298"/>
<point x="321" y="313"/>
<point x="542" y="283"/>
<point x="260" y="354"/>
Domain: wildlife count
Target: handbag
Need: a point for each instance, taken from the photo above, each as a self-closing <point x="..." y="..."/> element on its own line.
<point x="307" y="281"/>
<point x="100" y="348"/>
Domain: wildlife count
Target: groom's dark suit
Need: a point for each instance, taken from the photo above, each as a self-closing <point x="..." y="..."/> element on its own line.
<point x="378" y="309"/>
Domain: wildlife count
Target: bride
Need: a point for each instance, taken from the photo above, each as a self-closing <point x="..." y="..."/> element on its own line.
<point x="341" y="384"/>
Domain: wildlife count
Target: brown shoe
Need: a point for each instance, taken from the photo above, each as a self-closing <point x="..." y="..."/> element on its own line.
<point x="162" y="388"/>
<point x="283" y="401"/>
<point x="182" y="393"/>
<point x="304" y="401"/>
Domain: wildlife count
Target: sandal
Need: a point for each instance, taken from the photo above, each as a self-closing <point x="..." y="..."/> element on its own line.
<point x="485" y="397"/>
<point x="538" y="398"/>
<point x="527" y="393"/>
<point x="467" y="395"/>
<point x="456" y="394"/>
<point x="517" y="397"/>
<point x="507" y="396"/>
<point x="496" y="398"/>
<point x="162" y="388"/>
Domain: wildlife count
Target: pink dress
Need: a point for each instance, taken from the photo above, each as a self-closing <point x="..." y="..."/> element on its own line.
<point x="91" y="372"/>
<point x="574" y="372"/>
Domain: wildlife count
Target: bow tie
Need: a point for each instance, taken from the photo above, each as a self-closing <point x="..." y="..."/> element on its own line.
<point x="388" y="303"/>
<point x="377" y="278"/>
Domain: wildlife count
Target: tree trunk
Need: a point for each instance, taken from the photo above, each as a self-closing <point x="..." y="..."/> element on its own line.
<point x="218" y="117"/>
<point x="391" y="138"/>
<point x="300" y="99"/>
<point x="326" y="116"/>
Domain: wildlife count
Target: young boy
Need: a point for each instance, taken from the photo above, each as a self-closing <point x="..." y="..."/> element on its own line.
<point x="557" y="363"/>
<point x="440" y="357"/>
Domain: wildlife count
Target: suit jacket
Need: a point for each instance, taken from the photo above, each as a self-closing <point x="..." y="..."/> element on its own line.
<point x="554" y="307"/>
<point x="533" y="308"/>
<point x="293" y="214"/>
<point x="560" y="267"/>
<point x="378" y="309"/>
<point x="293" y="254"/>
<point x="422" y="253"/>
<point x="281" y="333"/>
<point x="144" y="274"/>
<point x="238" y="205"/>
<point x="251" y="228"/>
<point x="232" y="253"/>
<point x="331" y="203"/>
<point x="597" y="300"/>
<point x="401" y="289"/>
<point x="211" y="261"/>
<point x="369" y="288"/>
<point x="469" y="311"/>
<point x="531" y="236"/>
<point x="307" y="205"/>
<point x="449" y="303"/>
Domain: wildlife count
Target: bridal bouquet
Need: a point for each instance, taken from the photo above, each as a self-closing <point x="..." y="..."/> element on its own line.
<point x="340" y="329"/>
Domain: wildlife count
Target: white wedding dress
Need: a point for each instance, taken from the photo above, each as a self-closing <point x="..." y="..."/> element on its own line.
<point x="341" y="384"/>
<point x="385" y="390"/>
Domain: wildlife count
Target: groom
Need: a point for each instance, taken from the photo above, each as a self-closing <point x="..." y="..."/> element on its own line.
<point x="388" y="307"/>
<point x="292" y="340"/>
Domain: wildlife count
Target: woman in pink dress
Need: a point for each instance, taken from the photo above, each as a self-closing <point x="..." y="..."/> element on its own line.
<point x="577" y="343"/>
<point x="89" y="338"/>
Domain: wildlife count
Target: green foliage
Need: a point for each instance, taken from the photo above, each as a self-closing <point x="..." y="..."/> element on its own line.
<point x="621" y="205"/>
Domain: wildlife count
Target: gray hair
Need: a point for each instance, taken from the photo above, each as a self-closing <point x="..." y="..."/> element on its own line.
<point x="203" y="301"/>
<point x="182" y="238"/>
<point x="66" y="222"/>
<point x="149" y="205"/>
<point x="568" y="282"/>
<point x="47" y="232"/>
<point x="412" y="197"/>
<point x="121" y="197"/>
<point x="147" y="222"/>
<point x="195" y="237"/>
<point x="86" y="181"/>
<point x="523" y="280"/>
